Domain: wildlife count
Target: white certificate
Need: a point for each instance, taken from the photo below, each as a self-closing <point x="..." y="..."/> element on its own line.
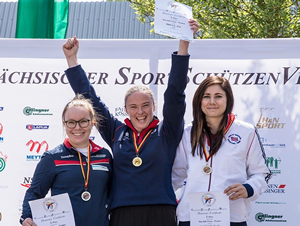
<point x="209" y="209"/>
<point x="53" y="211"/>
<point x="171" y="19"/>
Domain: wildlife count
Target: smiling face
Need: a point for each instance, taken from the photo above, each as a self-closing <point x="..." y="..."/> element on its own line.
<point x="78" y="137"/>
<point x="140" y="107"/>
<point x="214" y="102"/>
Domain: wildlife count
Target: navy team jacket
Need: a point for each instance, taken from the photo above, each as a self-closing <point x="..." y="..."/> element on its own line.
<point x="59" y="170"/>
<point x="150" y="183"/>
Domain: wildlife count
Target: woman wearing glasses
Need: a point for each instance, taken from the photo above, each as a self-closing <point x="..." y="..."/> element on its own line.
<point x="78" y="167"/>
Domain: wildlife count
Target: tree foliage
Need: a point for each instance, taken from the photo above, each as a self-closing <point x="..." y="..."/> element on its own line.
<point x="236" y="18"/>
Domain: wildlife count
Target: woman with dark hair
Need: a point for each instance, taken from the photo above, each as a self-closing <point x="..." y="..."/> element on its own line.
<point x="219" y="153"/>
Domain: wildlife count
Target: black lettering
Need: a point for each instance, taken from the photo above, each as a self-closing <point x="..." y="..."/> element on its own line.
<point x="26" y="77"/>
<point x="2" y="77"/>
<point x="46" y="78"/>
<point x="91" y="77"/>
<point x="150" y="80"/>
<point x="54" y="77"/>
<point x="258" y="77"/>
<point x="135" y="76"/>
<point x="248" y="78"/>
<point x="10" y="77"/>
<point x="62" y="79"/>
<point x="195" y="78"/>
<point x="237" y="77"/>
<point x="27" y="180"/>
<point x="123" y="76"/>
<point x="39" y="80"/>
<point x="286" y="74"/>
<point x="271" y="75"/>
<point x="160" y="77"/>
<point x="103" y="77"/>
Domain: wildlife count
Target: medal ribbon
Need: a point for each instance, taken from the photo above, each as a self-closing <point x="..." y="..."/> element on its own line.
<point x="137" y="148"/>
<point x="230" y="121"/>
<point x="86" y="178"/>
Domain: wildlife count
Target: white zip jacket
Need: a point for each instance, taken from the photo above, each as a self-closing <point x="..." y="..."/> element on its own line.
<point x="240" y="159"/>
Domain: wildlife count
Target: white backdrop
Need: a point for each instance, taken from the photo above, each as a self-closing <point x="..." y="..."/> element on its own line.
<point x="33" y="91"/>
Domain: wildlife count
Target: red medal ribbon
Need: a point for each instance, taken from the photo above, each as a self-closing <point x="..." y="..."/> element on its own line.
<point x="86" y="178"/>
<point x="231" y="118"/>
<point x="137" y="148"/>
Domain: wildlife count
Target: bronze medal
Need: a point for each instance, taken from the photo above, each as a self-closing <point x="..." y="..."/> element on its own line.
<point x="207" y="169"/>
<point x="86" y="196"/>
<point x="137" y="161"/>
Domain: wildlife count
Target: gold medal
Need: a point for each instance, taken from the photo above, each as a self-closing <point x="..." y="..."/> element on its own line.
<point x="86" y="196"/>
<point x="207" y="169"/>
<point x="137" y="161"/>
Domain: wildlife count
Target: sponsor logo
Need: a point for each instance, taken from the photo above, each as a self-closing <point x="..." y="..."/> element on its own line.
<point x="31" y="127"/>
<point x="270" y="203"/>
<point x="173" y="6"/>
<point x="92" y="138"/>
<point x="1" y="108"/>
<point x="120" y="112"/>
<point x="261" y="217"/>
<point x="99" y="167"/>
<point x="34" y="111"/>
<point x="36" y="146"/>
<point x="234" y="139"/>
<point x="98" y="156"/>
<point x="3" y="160"/>
<point x="273" y="165"/>
<point x="208" y="199"/>
<point x="33" y="157"/>
<point x="265" y="143"/>
<point x="1" y="130"/>
<point x="67" y="156"/>
<point x="267" y="121"/>
<point x="50" y="204"/>
<point x="275" y="188"/>
<point x="27" y="182"/>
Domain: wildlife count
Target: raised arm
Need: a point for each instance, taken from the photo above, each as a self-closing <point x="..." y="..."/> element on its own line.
<point x="81" y="85"/>
<point x="70" y="49"/>
<point x="174" y="96"/>
<point x="184" y="45"/>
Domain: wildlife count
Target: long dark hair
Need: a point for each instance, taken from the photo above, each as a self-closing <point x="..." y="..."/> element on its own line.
<point x="199" y="126"/>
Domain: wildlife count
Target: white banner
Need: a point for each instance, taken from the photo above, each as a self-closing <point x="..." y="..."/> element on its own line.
<point x="264" y="75"/>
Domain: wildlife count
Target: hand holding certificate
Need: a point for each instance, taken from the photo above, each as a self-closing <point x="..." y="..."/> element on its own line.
<point x="209" y="208"/>
<point x="53" y="211"/>
<point x="171" y="19"/>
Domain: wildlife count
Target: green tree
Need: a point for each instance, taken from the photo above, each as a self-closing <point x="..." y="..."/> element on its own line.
<point x="236" y="18"/>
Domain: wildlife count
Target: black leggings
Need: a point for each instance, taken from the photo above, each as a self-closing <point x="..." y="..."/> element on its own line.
<point x="148" y="215"/>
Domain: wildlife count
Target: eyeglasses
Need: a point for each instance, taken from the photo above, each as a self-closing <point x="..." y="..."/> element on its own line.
<point x="83" y="123"/>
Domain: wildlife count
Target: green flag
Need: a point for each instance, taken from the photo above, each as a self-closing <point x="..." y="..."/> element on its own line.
<point x="42" y="19"/>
